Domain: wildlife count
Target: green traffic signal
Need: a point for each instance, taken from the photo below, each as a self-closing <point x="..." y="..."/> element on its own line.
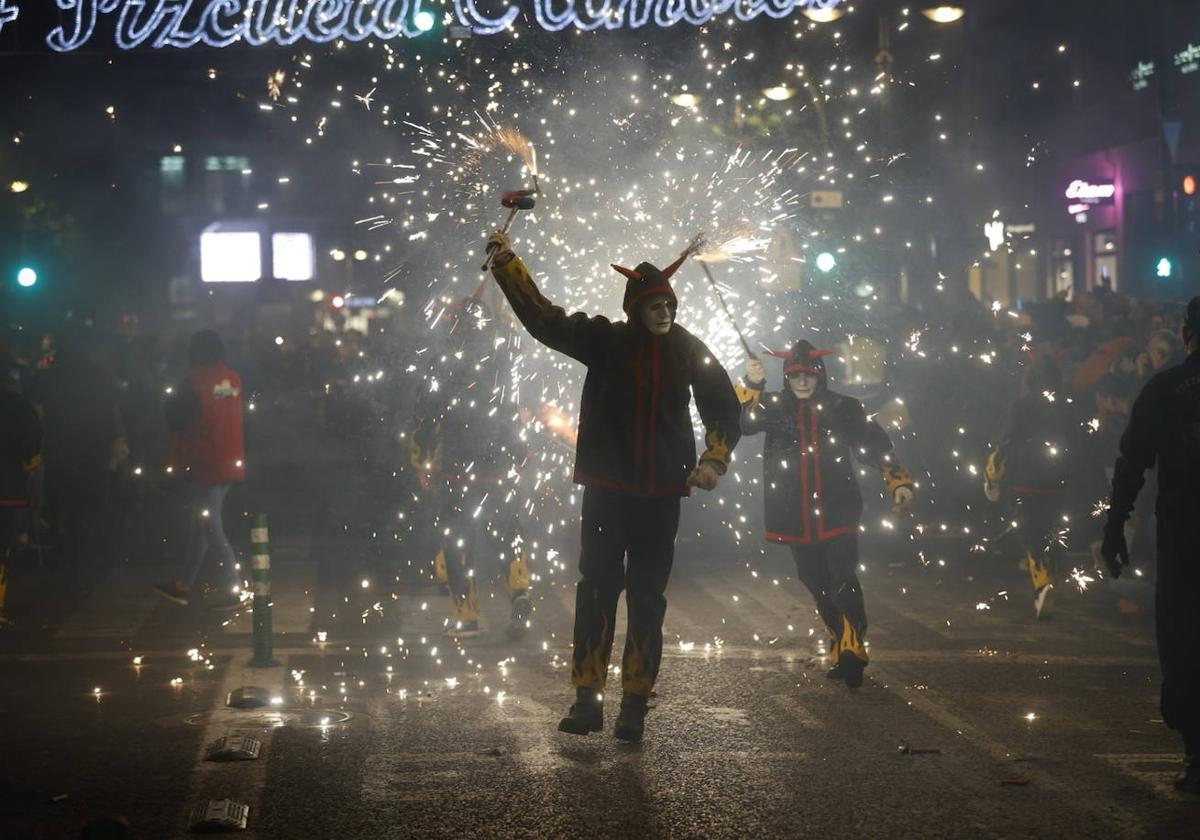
<point x="826" y="262"/>
<point x="1164" y="268"/>
<point x="27" y="277"/>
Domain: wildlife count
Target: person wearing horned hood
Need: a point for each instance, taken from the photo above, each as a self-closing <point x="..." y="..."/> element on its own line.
<point x="813" y="504"/>
<point x="636" y="458"/>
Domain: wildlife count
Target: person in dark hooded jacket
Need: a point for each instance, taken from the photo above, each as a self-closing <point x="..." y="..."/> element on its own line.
<point x="1031" y="459"/>
<point x="466" y="445"/>
<point x="1164" y="432"/>
<point x="636" y="457"/>
<point x="812" y="500"/>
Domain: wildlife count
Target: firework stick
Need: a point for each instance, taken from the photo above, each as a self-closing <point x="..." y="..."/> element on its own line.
<point x="492" y="249"/>
<point x="712" y="282"/>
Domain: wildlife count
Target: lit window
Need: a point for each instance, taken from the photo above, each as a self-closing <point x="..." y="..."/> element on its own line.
<point x="230" y="257"/>
<point x="292" y="256"/>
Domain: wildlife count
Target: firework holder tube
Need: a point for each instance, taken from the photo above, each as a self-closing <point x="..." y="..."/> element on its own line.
<point x="260" y="577"/>
<point x="515" y="201"/>
<point x="712" y="282"/>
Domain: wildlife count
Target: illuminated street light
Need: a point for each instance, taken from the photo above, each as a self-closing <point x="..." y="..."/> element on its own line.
<point x="944" y="14"/>
<point x="823" y="15"/>
<point x="19" y="186"/>
<point x="779" y="93"/>
<point x="337" y="254"/>
<point x="360" y="255"/>
<point x="826" y="262"/>
<point x="686" y="100"/>
<point x="424" y="21"/>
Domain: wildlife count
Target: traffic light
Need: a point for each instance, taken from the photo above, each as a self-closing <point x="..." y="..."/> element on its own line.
<point x="1188" y="184"/>
<point x="826" y="262"/>
<point x="27" y="277"/>
<point x="1164" y="268"/>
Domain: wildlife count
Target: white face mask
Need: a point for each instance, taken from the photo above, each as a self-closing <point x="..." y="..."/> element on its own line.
<point x="802" y="384"/>
<point x="656" y="315"/>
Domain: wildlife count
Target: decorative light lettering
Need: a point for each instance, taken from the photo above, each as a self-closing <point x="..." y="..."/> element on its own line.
<point x="1083" y="192"/>
<point x="1139" y="78"/>
<point x="219" y="23"/>
<point x="8" y="13"/>
<point x="1188" y="59"/>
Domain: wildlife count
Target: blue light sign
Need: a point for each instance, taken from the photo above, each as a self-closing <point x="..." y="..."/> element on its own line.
<point x="181" y="24"/>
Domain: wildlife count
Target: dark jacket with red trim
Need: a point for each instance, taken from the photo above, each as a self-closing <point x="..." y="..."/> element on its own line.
<point x="463" y="433"/>
<point x="635" y="427"/>
<point x="1031" y="458"/>
<point x="809" y="489"/>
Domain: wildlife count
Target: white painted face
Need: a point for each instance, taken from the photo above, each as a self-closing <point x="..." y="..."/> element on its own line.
<point x="656" y="314"/>
<point x="802" y="384"/>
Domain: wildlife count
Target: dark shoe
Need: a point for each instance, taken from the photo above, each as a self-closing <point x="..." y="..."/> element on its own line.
<point x="631" y="720"/>
<point x="227" y="603"/>
<point x="174" y="592"/>
<point x="586" y="715"/>
<point x="1188" y="780"/>
<point x="837" y="672"/>
<point x="852" y="669"/>
<point x="463" y="630"/>
<point x="518" y="620"/>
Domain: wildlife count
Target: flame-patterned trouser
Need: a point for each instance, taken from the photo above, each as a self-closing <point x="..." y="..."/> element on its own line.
<point x="829" y="570"/>
<point x="616" y="525"/>
<point x="478" y="520"/>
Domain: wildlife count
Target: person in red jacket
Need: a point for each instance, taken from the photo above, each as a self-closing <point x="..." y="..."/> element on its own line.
<point x="636" y="457"/>
<point x="208" y="453"/>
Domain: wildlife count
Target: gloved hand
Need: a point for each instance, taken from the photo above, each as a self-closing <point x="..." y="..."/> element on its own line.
<point x="756" y="372"/>
<point x="992" y="490"/>
<point x="499" y="243"/>
<point x="704" y="476"/>
<point x="1113" y="550"/>
<point x="903" y="497"/>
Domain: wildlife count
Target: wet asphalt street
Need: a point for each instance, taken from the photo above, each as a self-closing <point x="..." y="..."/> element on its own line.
<point x="973" y="722"/>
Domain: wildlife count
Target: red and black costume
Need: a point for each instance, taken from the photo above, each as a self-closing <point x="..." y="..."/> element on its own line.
<point x="467" y="440"/>
<point x="811" y="495"/>
<point x="635" y="451"/>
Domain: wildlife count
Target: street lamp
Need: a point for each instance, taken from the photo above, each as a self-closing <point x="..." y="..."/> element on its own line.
<point x="686" y="100"/>
<point x="779" y="93"/>
<point x="19" y="186"/>
<point x="944" y="14"/>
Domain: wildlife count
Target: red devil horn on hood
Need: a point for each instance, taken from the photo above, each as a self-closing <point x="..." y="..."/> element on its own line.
<point x="673" y="267"/>
<point x="628" y="272"/>
<point x="816" y="354"/>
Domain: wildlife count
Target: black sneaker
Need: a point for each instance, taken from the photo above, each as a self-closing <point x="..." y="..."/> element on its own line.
<point x="1188" y="780"/>
<point x="173" y="592"/>
<point x="631" y="720"/>
<point x="852" y="669"/>
<point x="837" y="672"/>
<point x="518" y="620"/>
<point x="586" y="715"/>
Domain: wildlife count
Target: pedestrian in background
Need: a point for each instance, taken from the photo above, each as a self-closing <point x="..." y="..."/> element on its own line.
<point x="208" y="454"/>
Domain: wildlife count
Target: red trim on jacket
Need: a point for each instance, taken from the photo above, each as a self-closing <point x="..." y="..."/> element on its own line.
<point x="809" y="433"/>
<point x="655" y="384"/>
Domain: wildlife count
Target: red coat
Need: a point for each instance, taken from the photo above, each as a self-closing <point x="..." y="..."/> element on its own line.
<point x="210" y="447"/>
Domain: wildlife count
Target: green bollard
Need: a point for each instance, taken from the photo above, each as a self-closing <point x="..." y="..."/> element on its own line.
<point x="260" y="581"/>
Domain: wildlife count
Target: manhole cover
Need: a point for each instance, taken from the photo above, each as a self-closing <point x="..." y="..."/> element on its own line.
<point x="269" y="718"/>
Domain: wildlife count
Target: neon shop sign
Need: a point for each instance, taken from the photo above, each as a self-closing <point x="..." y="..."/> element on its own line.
<point x="218" y="23"/>
<point x="1084" y="194"/>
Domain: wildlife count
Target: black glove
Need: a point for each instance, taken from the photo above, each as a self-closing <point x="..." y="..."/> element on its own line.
<point x="1113" y="550"/>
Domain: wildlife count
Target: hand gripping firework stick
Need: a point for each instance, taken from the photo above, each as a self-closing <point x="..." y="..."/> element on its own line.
<point x="720" y="297"/>
<point x="515" y="201"/>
